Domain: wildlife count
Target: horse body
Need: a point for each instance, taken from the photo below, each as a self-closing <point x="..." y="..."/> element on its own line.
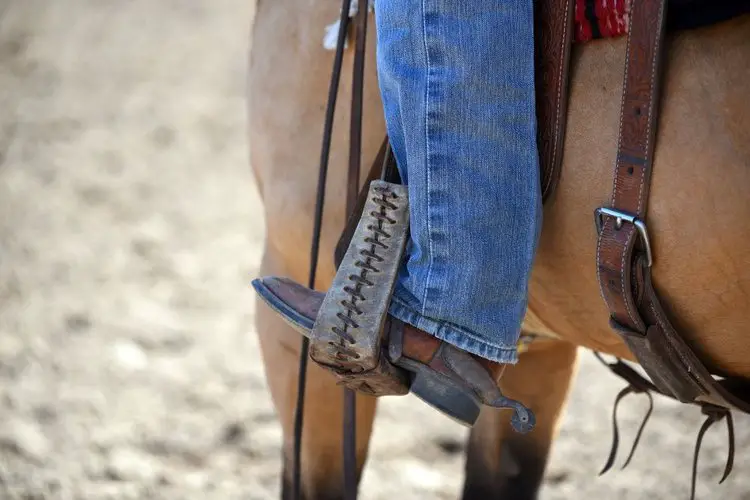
<point x="697" y="210"/>
<point x="697" y="223"/>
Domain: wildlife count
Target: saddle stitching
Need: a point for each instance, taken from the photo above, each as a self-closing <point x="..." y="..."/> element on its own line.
<point x="558" y="108"/>
<point x="651" y="104"/>
<point x="623" y="274"/>
<point x="622" y="102"/>
<point x="599" y="261"/>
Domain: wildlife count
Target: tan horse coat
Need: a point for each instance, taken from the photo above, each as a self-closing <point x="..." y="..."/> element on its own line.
<point x="698" y="220"/>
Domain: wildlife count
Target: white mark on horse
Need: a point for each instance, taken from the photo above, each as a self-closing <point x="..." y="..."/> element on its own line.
<point x="332" y="30"/>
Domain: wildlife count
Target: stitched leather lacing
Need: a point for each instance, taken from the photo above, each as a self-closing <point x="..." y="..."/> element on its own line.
<point x="377" y="240"/>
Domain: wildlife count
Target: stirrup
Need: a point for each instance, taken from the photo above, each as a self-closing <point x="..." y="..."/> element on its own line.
<point x="348" y="336"/>
<point x="352" y="336"/>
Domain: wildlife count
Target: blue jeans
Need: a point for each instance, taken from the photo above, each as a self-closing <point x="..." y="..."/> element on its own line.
<point x="457" y="82"/>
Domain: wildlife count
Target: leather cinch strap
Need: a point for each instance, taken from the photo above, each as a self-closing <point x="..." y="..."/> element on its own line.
<point x="624" y="254"/>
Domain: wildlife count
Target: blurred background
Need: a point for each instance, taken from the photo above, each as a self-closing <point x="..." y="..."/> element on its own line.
<point x="130" y="229"/>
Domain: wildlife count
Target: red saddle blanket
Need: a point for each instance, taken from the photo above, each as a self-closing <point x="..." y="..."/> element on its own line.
<point x="609" y="18"/>
<point x="600" y="19"/>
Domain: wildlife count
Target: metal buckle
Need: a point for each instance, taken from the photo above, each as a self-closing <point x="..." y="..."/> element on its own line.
<point x="625" y="217"/>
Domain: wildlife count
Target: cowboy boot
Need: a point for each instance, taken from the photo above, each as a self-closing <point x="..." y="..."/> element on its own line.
<point x="352" y="335"/>
<point x="452" y="381"/>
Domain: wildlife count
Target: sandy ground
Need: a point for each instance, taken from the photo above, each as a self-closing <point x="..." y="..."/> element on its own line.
<point x="129" y="231"/>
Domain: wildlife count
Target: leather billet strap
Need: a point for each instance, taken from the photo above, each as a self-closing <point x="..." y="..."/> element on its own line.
<point x="622" y="226"/>
<point x="624" y="254"/>
<point x="355" y="148"/>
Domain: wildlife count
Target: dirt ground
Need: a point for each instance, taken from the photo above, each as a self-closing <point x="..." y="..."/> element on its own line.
<point x="129" y="232"/>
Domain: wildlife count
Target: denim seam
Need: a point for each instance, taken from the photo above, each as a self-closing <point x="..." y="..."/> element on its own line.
<point x="533" y="236"/>
<point x="428" y="80"/>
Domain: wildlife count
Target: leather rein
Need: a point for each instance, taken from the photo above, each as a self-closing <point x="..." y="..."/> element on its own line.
<point x="353" y="172"/>
<point x="624" y="253"/>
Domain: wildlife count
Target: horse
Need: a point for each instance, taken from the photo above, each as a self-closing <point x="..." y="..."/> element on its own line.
<point x="697" y="216"/>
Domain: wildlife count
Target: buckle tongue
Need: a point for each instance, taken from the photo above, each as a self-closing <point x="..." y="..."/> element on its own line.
<point x="620" y="218"/>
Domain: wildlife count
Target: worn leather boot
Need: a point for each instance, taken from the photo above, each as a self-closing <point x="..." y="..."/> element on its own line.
<point x="435" y="381"/>
<point x="450" y="380"/>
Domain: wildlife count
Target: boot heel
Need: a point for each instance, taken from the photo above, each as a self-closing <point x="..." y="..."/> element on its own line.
<point x="446" y="398"/>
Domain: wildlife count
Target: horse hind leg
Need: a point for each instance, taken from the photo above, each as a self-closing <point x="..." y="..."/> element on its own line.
<point x="506" y="465"/>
